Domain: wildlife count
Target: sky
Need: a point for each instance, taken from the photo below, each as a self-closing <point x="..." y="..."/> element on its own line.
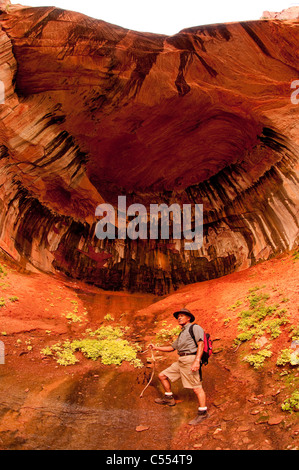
<point x="166" y="16"/>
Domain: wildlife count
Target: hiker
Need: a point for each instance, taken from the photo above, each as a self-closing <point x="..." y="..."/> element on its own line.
<point x="187" y="368"/>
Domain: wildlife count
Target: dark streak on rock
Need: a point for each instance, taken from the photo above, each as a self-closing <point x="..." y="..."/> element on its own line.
<point x="255" y="38"/>
<point x="37" y="30"/>
<point x="180" y="82"/>
<point x="210" y="69"/>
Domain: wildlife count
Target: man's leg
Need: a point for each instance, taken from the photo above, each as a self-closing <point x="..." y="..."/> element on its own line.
<point x="166" y="377"/>
<point x="165" y="382"/>
<point x="193" y="380"/>
<point x="202" y="412"/>
<point x="201" y="396"/>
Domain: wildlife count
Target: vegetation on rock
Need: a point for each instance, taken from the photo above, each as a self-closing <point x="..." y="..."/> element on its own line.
<point x="106" y="342"/>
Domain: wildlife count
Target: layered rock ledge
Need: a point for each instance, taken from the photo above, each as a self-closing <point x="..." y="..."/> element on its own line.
<point x="93" y="111"/>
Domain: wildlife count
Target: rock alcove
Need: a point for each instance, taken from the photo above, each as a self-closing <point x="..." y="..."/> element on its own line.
<point x="93" y="111"/>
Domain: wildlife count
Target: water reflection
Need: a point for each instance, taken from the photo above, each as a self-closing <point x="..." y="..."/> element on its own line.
<point x="116" y="304"/>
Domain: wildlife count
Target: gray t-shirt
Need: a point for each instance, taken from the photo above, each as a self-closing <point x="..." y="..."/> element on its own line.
<point x="185" y="343"/>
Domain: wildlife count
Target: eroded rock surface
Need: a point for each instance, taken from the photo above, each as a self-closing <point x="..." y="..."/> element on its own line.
<point x="93" y="111"/>
<point x="291" y="13"/>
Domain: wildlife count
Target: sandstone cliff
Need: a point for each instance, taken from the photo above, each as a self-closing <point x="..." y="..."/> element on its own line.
<point x="93" y="111"/>
<point x="291" y="13"/>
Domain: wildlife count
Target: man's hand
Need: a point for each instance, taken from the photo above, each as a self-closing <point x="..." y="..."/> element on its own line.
<point x="195" y="366"/>
<point x="152" y="346"/>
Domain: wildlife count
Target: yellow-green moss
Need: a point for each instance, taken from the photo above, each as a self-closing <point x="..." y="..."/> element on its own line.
<point x="257" y="359"/>
<point x="291" y="404"/>
<point x="106" y="343"/>
<point x="167" y="335"/>
<point x="288" y="356"/>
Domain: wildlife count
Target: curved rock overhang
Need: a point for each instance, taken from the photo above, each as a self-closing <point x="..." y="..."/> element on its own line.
<point x="93" y="111"/>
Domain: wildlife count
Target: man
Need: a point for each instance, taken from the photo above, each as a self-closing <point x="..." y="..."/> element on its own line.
<point x="188" y="365"/>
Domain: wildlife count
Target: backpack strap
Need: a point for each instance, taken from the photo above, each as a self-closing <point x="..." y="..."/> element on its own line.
<point x="193" y="337"/>
<point x="192" y="334"/>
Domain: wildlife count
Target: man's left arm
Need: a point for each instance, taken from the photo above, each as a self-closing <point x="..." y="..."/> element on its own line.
<point x="196" y="364"/>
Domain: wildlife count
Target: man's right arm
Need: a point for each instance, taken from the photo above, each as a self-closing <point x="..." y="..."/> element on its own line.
<point x="161" y="348"/>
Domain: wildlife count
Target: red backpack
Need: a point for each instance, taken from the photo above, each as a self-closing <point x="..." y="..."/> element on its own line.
<point x="208" y="346"/>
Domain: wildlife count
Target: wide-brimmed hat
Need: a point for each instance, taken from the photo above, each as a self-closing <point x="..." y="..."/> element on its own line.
<point x="185" y="311"/>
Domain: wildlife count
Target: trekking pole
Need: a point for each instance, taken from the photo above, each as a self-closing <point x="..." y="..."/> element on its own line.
<point x="152" y="374"/>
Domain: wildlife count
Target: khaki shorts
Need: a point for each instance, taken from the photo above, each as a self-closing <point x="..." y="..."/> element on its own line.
<point x="182" y="370"/>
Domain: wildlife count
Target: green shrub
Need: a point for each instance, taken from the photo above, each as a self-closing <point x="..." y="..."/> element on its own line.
<point x="246" y="336"/>
<point x="105" y="343"/>
<point x="291" y="404"/>
<point x="254" y="289"/>
<point x="3" y="272"/>
<point x="236" y="305"/>
<point x="294" y="333"/>
<point x="296" y="254"/>
<point x="108" y="317"/>
<point x="260" y="318"/>
<point x="47" y="351"/>
<point x="255" y="299"/>
<point x="287" y="356"/>
<point x="107" y="332"/>
<point x="72" y="317"/>
<point x="257" y="359"/>
<point x="165" y="335"/>
<point x="284" y="358"/>
<point x="66" y="357"/>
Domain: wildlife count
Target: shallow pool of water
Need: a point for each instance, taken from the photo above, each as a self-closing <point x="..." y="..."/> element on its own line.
<point x="115" y="304"/>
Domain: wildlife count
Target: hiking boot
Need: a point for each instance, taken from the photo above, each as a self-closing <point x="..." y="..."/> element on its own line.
<point x="201" y="415"/>
<point x="166" y="400"/>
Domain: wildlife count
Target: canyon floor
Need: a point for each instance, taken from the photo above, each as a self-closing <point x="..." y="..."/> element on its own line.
<point x="89" y="405"/>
